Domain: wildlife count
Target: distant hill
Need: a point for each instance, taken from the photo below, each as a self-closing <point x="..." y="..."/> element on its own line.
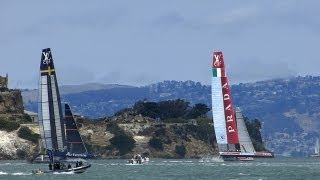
<point x="288" y="108"/>
<point x="112" y="98"/>
<point x="31" y="96"/>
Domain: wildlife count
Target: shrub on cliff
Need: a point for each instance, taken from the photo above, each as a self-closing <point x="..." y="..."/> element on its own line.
<point x="174" y="110"/>
<point x="156" y="143"/>
<point x="26" y="118"/>
<point x="8" y="125"/>
<point x="26" y="133"/>
<point x="180" y="150"/>
<point x="175" y="120"/>
<point x="114" y="128"/>
<point x="22" y="154"/>
<point x="198" y="110"/>
<point x="123" y="142"/>
<point x="3" y="89"/>
<point x="95" y="149"/>
<point x="203" y="131"/>
<point x="254" y="127"/>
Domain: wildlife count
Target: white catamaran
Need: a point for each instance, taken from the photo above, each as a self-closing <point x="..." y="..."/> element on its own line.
<point x="51" y="122"/>
<point x="232" y="137"/>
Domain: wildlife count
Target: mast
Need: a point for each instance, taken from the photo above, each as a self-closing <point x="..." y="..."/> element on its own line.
<point x="49" y="106"/>
<point x="74" y="141"/>
<point x="222" y="107"/>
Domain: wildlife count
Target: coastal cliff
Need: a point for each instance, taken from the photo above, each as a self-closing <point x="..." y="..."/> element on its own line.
<point x="11" y="102"/>
<point x="119" y="137"/>
<point x="15" y="142"/>
<point x="14" y="147"/>
<point x="166" y="129"/>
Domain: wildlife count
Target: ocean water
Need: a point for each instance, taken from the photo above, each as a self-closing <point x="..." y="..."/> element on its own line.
<point x="170" y="169"/>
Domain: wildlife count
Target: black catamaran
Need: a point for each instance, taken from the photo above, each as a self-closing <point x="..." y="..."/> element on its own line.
<point x="51" y="121"/>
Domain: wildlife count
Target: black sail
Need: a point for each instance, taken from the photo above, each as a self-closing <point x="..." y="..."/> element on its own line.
<point x="74" y="141"/>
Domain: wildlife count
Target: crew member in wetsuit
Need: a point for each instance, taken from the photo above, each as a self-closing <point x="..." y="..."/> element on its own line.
<point x="69" y="166"/>
<point x="50" y="166"/>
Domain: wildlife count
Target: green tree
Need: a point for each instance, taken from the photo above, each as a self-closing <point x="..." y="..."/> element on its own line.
<point x="254" y="128"/>
<point x="8" y="125"/>
<point x="173" y="108"/>
<point x="156" y="143"/>
<point x="180" y="150"/>
<point x="150" y="109"/>
<point x="26" y="118"/>
<point x="114" y="128"/>
<point x="123" y="143"/>
<point x="164" y="109"/>
<point x="26" y="133"/>
<point x="198" y="110"/>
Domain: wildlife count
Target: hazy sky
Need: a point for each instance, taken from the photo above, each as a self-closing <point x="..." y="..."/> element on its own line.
<point x="141" y="42"/>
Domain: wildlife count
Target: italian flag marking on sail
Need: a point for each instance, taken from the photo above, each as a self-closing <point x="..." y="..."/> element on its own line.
<point x="216" y="72"/>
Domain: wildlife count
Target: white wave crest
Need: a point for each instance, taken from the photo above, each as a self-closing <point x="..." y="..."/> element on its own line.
<point x="3" y="173"/>
<point x="21" y="174"/>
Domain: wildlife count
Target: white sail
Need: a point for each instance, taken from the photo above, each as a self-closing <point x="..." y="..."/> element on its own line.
<point x="218" y="112"/>
<point x="316" y="147"/>
<point x="244" y="138"/>
<point x="50" y="113"/>
<point x="44" y="118"/>
<point x="222" y="108"/>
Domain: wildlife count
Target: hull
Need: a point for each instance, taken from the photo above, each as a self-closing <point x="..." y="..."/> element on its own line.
<point x="237" y="156"/>
<point x="246" y="155"/>
<point x="264" y="154"/>
<point x="138" y="160"/>
<point x="81" y="169"/>
<point x="76" y="170"/>
<point x="315" y="155"/>
<point x="44" y="158"/>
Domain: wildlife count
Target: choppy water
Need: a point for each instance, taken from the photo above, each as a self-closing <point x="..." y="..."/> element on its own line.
<point x="278" y="168"/>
